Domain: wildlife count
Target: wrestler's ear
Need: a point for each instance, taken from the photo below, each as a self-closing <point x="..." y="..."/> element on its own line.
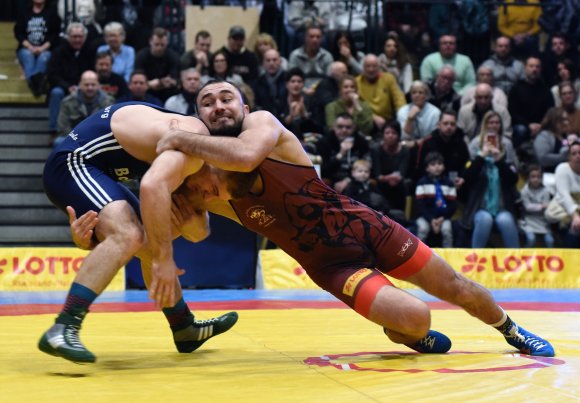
<point x="246" y="109"/>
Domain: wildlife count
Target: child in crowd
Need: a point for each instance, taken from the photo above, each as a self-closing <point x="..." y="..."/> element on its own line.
<point x="362" y="189"/>
<point x="436" y="202"/>
<point x="535" y="198"/>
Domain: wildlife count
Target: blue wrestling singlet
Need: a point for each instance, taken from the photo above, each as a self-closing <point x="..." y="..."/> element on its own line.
<point x="87" y="169"/>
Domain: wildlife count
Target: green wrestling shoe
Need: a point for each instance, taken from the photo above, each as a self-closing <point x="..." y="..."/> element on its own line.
<point x="193" y="336"/>
<point x="62" y="340"/>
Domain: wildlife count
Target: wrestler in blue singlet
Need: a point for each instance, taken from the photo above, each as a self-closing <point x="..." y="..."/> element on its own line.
<point x="87" y="169"/>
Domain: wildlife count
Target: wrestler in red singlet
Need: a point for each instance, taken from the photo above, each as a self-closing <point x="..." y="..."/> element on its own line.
<point x="334" y="238"/>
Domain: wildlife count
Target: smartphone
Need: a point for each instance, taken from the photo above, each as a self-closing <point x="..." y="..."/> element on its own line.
<point x="492" y="139"/>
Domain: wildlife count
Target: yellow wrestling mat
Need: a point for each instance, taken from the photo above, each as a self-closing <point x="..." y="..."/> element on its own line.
<point x="295" y="355"/>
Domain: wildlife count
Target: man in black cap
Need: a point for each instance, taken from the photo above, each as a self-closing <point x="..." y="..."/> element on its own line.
<point x="241" y="60"/>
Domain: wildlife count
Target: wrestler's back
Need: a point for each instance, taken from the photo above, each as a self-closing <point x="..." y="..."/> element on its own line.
<point x="138" y="128"/>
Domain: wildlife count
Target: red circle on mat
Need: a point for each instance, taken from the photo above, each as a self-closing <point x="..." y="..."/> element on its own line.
<point x="327" y="361"/>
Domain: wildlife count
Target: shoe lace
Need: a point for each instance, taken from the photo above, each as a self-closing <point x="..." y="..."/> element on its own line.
<point x="534" y="343"/>
<point x="71" y="335"/>
<point x="206" y="322"/>
<point x="529" y="341"/>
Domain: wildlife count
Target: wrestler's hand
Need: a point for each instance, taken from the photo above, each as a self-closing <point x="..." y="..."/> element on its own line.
<point x="171" y="140"/>
<point x="162" y="289"/>
<point x="82" y="228"/>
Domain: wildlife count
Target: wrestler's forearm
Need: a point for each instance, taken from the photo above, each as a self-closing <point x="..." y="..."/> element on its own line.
<point x="227" y="153"/>
<point x="156" y="216"/>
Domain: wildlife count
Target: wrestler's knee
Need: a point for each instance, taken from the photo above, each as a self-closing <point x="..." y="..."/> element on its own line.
<point x="402" y="313"/>
<point x="129" y="237"/>
<point x="133" y="237"/>
<point x="119" y="223"/>
<point x="417" y="321"/>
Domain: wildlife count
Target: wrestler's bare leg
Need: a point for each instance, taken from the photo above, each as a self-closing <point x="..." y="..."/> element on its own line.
<point x="440" y="280"/>
<point x="406" y="318"/>
<point x="121" y="236"/>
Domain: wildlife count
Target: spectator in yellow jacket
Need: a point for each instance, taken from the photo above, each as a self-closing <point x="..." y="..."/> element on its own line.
<point x="380" y="90"/>
<point x="520" y="23"/>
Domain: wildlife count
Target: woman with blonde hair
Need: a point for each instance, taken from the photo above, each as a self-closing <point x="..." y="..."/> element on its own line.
<point x="492" y="131"/>
<point x="490" y="186"/>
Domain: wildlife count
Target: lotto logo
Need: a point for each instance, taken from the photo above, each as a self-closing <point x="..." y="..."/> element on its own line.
<point x="513" y="263"/>
<point x="474" y="262"/>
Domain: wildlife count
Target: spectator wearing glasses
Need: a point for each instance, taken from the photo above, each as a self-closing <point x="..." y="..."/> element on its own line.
<point x="442" y="94"/>
<point x="123" y="55"/>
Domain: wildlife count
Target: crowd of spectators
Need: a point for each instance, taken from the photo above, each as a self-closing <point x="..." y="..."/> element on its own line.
<point x="462" y="122"/>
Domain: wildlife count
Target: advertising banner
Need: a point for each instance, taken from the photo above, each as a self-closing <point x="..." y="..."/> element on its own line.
<point x="44" y="269"/>
<point x="493" y="268"/>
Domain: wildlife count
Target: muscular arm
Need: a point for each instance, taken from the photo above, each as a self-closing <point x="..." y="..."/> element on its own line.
<point x="259" y="136"/>
<point x="164" y="176"/>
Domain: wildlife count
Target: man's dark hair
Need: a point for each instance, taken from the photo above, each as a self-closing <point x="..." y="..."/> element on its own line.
<point x="137" y="72"/>
<point x="392" y="124"/>
<point x="233" y="131"/>
<point x="448" y="111"/>
<point x="202" y="34"/>
<point x="159" y="32"/>
<point x="214" y="81"/>
<point x="102" y="54"/>
<point x="295" y="71"/>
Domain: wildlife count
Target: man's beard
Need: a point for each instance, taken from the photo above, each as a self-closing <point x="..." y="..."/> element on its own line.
<point x="228" y="130"/>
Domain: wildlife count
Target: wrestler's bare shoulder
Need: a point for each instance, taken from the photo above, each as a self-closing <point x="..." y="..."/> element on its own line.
<point x="138" y="128"/>
<point x="288" y="148"/>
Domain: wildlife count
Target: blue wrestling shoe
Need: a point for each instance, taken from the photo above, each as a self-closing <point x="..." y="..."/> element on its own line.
<point x="193" y="336"/>
<point x="529" y="343"/>
<point x="433" y="343"/>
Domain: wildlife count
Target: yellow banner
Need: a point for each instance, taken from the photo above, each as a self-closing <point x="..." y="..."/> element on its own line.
<point x="44" y="269"/>
<point x="493" y="268"/>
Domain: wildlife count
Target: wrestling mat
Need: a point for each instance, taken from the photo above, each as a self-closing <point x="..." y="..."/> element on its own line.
<point x="288" y="346"/>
